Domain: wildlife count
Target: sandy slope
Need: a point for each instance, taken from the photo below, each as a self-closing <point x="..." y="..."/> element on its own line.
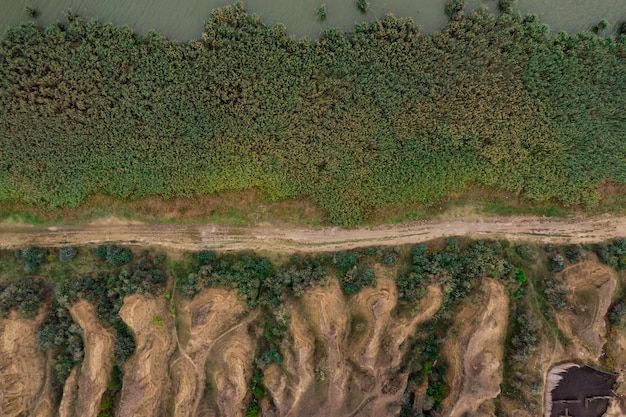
<point x="331" y="369"/>
<point x="591" y="287"/>
<point x="95" y="371"/>
<point x="482" y="354"/>
<point x="146" y="376"/>
<point x="218" y="348"/>
<point x="200" y="236"/>
<point x="24" y="372"/>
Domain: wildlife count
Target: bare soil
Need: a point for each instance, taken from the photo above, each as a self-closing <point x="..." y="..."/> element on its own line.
<point x="285" y="239"/>
<point x="24" y="370"/>
<point x="215" y="348"/>
<point x="591" y="286"/>
<point x="346" y="352"/>
<point x="67" y="408"/>
<point x="482" y="354"/>
<point x="95" y="370"/>
<point x="146" y="378"/>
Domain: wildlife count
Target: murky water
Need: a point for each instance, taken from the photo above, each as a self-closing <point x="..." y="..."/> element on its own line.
<point x="183" y="19"/>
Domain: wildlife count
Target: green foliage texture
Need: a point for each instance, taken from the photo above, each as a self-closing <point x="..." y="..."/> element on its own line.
<point x="381" y="115"/>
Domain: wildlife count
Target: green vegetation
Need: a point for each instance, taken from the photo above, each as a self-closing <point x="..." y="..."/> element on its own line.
<point x="613" y="254"/>
<point x="363" y="6"/>
<point x="321" y="13"/>
<point x="32" y="258"/>
<point x="381" y="116"/>
<point x="31" y="11"/>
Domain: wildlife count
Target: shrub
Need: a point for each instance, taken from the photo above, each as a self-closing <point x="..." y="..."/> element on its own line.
<point x="454" y="8"/>
<point x="67" y="253"/>
<point x="32" y="257"/>
<point x="390" y="258"/>
<point x="617" y="315"/>
<point x="526" y="337"/>
<point x="24" y="295"/>
<point x="321" y="13"/>
<point x="124" y="343"/>
<point x="557" y="262"/>
<point x="31" y="11"/>
<point x="344" y="260"/>
<point x="555" y="292"/>
<point x="206" y="257"/>
<point x="524" y="251"/>
<point x="113" y="255"/>
<point x="506" y="6"/>
<point x="356" y="279"/>
<point x="575" y="253"/>
<point x="363" y="5"/>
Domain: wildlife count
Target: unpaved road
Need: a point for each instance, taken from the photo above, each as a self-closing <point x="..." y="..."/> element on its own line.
<point x="229" y="238"/>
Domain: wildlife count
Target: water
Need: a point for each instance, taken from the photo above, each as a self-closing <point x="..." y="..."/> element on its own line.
<point x="183" y="19"/>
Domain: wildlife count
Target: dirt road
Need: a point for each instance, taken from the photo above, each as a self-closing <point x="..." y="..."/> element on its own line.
<point x="228" y="238"/>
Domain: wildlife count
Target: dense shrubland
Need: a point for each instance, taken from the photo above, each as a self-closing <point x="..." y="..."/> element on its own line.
<point x="377" y="116"/>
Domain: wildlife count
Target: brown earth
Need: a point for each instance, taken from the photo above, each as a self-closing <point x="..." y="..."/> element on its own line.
<point x="230" y="370"/>
<point x="24" y="369"/>
<point x="95" y="371"/>
<point x="214" y="328"/>
<point x="203" y="236"/>
<point x="67" y="408"/>
<point x="146" y="379"/>
<point x="346" y="353"/>
<point x="591" y="286"/>
<point x="481" y="355"/>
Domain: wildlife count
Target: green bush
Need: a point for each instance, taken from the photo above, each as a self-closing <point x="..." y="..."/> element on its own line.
<point x="25" y="295"/>
<point x="113" y="255"/>
<point x="557" y="262"/>
<point x="321" y="13"/>
<point x="506" y="6"/>
<point x="454" y="7"/>
<point x="67" y="253"/>
<point x="205" y="256"/>
<point x="32" y="257"/>
<point x="363" y="5"/>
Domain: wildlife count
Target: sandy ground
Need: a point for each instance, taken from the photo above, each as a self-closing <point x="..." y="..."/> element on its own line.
<point x="346" y="352"/>
<point x="95" y="371"/>
<point x="216" y="345"/>
<point x="67" y="408"/>
<point x="591" y="287"/>
<point x="202" y="236"/>
<point x="146" y="376"/>
<point x="24" y="370"/>
<point x="482" y="354"/>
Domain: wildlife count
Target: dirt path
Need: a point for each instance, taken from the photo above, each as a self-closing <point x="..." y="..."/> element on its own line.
<point x="227" y="238"/>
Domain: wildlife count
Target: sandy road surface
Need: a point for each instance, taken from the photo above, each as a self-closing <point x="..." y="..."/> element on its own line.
<point x="228" y="238"/>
